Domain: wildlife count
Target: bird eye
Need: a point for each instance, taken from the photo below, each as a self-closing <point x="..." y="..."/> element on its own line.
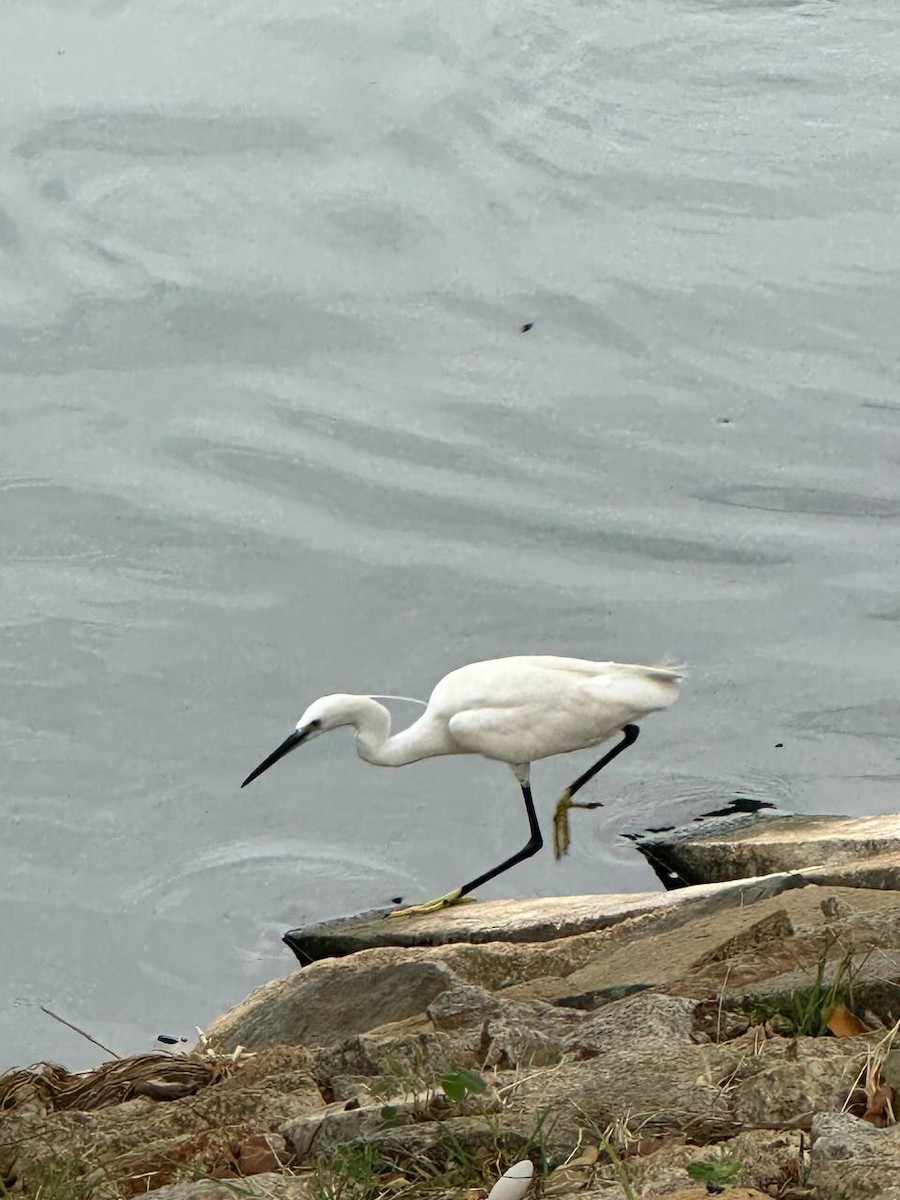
<point x="316" y="724"/>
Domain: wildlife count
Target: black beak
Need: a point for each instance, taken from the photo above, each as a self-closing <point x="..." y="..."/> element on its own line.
<point x="289" y="744"/>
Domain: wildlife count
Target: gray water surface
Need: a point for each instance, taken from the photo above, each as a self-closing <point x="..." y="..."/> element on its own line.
<point x="268" y="430"/>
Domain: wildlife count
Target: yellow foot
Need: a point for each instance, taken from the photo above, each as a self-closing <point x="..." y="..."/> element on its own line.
<point x="561" y="835"/>
<point x="431" y="906"/>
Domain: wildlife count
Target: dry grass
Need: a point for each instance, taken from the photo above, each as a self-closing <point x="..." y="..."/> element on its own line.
<point x="49" y="1087"/>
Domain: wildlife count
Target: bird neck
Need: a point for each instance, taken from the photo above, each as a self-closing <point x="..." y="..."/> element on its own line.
<point x="374" y="742"/>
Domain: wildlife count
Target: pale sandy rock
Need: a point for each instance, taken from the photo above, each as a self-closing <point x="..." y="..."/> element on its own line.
<point x="696" y="945"/>
<point x="477" y="1136"/>
<point x="702" y="949"/>
<point x="776" y="844"/>
<point x="769" y="1165"/>
<point x="329" y="1001"/>
<point x="538" y="920"/>
<point x="764" y="962"/>
<point x="464" y="1005"/>
<point x="410" y="1062"/>
<point x="878" y="872"/>
<point x="644" y="1019"/>
<point x="512" y="1033"/>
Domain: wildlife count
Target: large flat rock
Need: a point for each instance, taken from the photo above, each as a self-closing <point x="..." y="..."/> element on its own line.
<point x="539" y="920"/>
<point x="771" y="844"/>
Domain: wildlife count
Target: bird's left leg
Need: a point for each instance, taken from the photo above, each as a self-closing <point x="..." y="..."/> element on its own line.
<point x="460" y="894"/>
<point x="561" y="836"/>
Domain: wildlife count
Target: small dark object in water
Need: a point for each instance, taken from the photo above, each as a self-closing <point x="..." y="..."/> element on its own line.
<point x="167" y="1040"/>
<point x="528" y="325"/>
<point x="779" y="745"/>
<point x="740" y="804"/>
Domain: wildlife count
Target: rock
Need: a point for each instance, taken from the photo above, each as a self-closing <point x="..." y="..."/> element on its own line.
<point x="647" y="1017"/>
<point x="849" y="1157"/>
<point x="465" y="1006"/>
<point x="329" y="1001"/>
<point x="770" y="1158"/>
<point x="508" y="1044"/>
<point x="692" y="948"/>
<point x="615" y="1076"/>
<point x="771" y="844"/>
<point x="875" y="978"/>
<point x="339" y="1124"/>
<point x="766" y="967"/>
<point x="880" y="873"/>
<point x="270" y="1187"/>
<point x="785" y="1085"/>
<point x="513" y="1033"/>
<point x="596" y="998"/>
<point x="370" y="1065"/>
<point x="698" y="946"/>
<point x="537" y="920"/>
<point x="453" y="1143"/>
<point x="635" y="1065"/>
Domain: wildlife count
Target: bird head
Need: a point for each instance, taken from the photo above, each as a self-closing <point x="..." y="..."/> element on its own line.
<point x="328" y="712"/>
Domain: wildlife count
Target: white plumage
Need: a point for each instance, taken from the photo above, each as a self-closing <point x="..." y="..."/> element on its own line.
<point x="516" y="710"/>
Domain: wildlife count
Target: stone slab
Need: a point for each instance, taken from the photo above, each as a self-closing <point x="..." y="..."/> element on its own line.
<point x="537" y="920"/>
<point x="769" y="844"/>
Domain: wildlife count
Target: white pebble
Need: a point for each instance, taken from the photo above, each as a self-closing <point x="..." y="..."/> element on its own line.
<point x="514" y="1183"/>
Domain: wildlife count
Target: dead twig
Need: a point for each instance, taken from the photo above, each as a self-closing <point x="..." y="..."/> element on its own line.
<point x="75" y="1029"/>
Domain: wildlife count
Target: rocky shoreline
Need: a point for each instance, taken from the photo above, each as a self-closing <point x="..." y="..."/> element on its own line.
<point x="739" y="1036"/>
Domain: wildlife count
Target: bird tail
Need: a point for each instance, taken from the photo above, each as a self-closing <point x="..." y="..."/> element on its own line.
<point x="667" y="670"/>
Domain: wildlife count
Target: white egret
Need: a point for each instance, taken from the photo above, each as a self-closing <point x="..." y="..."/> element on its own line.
<point x="515" y="710"/>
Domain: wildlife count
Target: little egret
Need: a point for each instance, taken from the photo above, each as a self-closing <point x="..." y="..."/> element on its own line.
<point x="514" y="710"/>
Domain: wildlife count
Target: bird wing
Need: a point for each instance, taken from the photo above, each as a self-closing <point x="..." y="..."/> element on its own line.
<point x="520" y="710"/>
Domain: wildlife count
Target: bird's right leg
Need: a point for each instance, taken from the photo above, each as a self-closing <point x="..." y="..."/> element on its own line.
<point x="460" y="894"/>
<point x="561" y="835"/>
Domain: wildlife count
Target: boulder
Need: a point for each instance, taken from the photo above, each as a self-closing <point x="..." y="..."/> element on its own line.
<point x="765" y="844"/>
<point x="329" y="1001"/>
<point x="539" y="920"/>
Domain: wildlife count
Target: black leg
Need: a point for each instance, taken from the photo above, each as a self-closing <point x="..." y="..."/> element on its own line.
<point x="631" y="732"/>
<point x="534" y="844"/>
